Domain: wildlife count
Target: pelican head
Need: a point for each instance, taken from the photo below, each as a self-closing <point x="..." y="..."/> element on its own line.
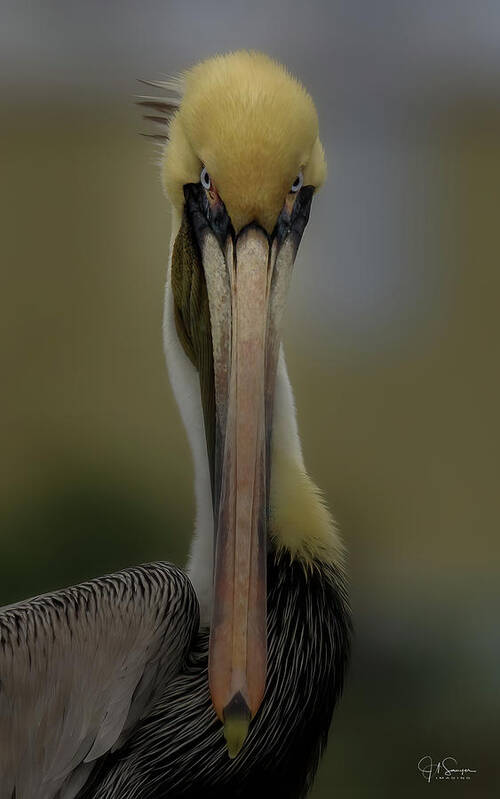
<point x="241" y="166"/>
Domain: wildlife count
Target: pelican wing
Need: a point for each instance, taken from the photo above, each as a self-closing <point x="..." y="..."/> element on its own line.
<point x="78" y="668"/>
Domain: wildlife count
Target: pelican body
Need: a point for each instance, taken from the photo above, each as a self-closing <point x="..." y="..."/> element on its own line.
<point x="220" y="681"/>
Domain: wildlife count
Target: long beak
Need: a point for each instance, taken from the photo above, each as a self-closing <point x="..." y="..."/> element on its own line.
<point x="247" y="278"/>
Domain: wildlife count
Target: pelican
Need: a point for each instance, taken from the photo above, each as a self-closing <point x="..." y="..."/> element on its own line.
<point x="219" y="681"/>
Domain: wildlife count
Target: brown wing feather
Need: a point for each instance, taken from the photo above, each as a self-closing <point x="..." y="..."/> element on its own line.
<point x="79" y="667"/>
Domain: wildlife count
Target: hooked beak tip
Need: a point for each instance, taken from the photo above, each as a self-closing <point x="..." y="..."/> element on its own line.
<point x="237" y="719"/>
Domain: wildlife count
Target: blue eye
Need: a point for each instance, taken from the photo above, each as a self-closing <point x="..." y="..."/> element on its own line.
<point x="297" y="183"/>
<point x="205" y="179"/>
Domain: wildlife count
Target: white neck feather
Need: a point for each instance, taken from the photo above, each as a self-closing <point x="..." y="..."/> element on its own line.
<point x="300" y="521"/>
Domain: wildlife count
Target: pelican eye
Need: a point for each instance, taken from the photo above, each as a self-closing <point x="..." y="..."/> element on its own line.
<point x="205" y="179"/>
<point x="297" y="183"/>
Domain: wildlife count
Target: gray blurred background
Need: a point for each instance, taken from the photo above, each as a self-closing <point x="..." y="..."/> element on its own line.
<point x="392" y="337"/>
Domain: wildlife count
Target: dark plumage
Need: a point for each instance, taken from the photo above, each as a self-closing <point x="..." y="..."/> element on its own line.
<point x="179" y="749"/>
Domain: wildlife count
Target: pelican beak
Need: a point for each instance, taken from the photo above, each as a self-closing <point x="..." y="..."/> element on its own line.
<point x="247" y="277"/>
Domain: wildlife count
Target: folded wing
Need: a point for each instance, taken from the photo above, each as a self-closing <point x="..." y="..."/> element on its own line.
<point x="79" y="667"/>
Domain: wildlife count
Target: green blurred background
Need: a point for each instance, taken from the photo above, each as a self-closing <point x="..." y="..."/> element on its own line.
<point x="392" y="338"/>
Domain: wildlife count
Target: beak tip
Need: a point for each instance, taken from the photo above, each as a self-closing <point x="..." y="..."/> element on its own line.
<point x="237" y="719"/>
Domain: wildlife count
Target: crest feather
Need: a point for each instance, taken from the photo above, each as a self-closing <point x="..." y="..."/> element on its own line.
<point x="164" y="107"/>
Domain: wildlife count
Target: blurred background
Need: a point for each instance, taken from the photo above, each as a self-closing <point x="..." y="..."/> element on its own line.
<point x="392" y="337"/>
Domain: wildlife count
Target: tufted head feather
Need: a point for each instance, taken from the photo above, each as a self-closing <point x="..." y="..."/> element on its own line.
<point x="253" y="126"/>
